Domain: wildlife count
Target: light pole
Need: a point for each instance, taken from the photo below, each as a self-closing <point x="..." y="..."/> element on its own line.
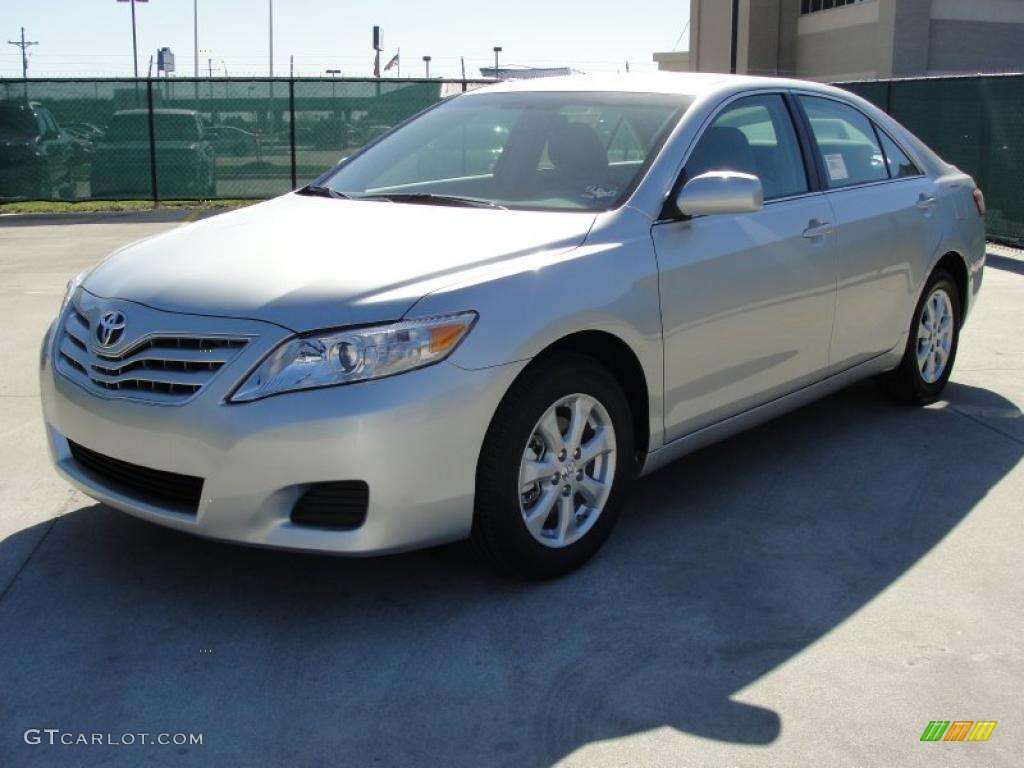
<point x="135" y="48"/>
<point x="272" y="122"/>
<point x="332" y="73"/>
<point x="426" y="61"/>
<point x="195" y="39"/>
<point x="195" y="46"/>
<point x="497" y="50"/>
<point x="270" y="6"/>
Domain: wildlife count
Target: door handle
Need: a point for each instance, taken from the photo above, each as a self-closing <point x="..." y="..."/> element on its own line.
<point x="926" y="202"/>
<point x="818" y="229"/>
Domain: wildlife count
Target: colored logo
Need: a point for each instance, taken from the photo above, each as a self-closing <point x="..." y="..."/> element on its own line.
<point x="958" y="730"/>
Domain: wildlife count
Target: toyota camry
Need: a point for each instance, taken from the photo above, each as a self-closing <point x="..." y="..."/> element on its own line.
<point x="494" y="317"/>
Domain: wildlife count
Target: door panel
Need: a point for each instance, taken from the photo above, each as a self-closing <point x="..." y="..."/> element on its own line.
<point x="883" y="215"/>
<point x="747" y="306"/>
<point x="880" y="233"/>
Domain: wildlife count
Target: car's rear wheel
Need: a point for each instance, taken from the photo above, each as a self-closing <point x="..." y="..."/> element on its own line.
<point x="553" y="469"/>
<point x="931" y="349"/>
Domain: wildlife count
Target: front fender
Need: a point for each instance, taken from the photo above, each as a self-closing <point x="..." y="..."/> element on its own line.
<point x="609" y="284"/>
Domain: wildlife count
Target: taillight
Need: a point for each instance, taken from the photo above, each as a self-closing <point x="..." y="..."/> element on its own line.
<point x="979" y="201"/>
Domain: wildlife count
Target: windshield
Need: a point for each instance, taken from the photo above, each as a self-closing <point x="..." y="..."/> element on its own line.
<point x="134" y="126"/>
<point x="547" y="151"/>
<point x="16" y="121"/>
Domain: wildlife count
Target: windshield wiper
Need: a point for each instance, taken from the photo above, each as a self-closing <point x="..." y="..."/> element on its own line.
<point x="429" y="198"/>
<point x="316" y="190"/>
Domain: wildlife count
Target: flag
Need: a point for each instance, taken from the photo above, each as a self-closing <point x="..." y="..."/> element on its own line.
<point x="392" y="63"/>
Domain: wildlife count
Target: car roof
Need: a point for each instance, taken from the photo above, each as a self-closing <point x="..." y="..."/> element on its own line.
<point x="156" y="112"/>
<point x="694" y="84"/>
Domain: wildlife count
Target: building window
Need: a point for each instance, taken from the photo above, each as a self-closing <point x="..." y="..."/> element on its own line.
<point x="812" y="6"/>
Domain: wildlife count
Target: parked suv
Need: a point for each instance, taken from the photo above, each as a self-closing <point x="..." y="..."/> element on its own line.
<point x="184" y="156"/>
<point x="594" y="277"/>
<point x="36" y="156"/>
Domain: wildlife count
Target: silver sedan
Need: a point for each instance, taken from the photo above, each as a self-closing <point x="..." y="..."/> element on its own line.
<point x="490" y="320"/>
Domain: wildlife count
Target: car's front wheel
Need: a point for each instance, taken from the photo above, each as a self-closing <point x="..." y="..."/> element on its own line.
<point x="931" y="349"/>
<point x="555" y="463"/>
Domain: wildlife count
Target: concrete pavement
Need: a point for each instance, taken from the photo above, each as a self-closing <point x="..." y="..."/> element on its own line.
<point x="813" y="592"/>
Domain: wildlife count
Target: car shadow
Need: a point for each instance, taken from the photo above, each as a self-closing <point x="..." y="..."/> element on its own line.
<point x="724" y="566"/>
<point x="1005" y="263"/>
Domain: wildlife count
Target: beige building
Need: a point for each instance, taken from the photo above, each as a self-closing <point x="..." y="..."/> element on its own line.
<point x="853" y="39"/>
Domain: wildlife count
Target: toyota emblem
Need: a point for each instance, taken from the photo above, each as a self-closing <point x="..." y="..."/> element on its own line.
<point x="110" y="328"/>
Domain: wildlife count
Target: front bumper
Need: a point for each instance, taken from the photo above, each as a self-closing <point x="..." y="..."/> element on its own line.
<point x="413" y="438"/>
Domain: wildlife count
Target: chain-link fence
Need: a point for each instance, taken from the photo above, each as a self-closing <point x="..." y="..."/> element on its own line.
<point x="976" y="123"/>
<point x="183" y="138"/>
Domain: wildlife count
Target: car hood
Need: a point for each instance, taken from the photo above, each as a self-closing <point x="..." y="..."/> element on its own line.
<point x="308" y="263"/>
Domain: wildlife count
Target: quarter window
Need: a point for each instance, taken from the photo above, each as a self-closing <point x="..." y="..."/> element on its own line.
<point x="753" y="135"/>
<point x="847" y="142"/>
<point x="900" y="166"/>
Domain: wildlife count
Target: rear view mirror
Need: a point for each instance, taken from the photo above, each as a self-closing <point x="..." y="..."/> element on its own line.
<point x="719" y="192"/>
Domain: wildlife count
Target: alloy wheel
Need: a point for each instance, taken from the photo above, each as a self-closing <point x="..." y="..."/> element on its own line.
<point x="935" y="336"/>
<point x="567" y="470"/>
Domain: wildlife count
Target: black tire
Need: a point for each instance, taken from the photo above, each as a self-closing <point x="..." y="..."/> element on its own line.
<point x="499" y="534"/>
<point x="906" y="383"/>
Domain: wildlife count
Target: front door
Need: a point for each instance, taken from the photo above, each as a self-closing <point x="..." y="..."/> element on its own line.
<point x="747" y="300"/>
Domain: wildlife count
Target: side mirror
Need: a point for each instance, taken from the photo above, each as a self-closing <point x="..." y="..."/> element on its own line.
<point x="721" y="192"/>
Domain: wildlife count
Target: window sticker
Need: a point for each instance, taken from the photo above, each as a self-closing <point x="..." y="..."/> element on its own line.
<point x="836" y="167"/>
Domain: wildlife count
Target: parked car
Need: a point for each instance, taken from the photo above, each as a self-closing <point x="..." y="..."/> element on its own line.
<point x="231" y="141"/>
<point x="36" y="156"/>
<point x="330" y="133"/>
<point x="368" y="132"/>
<point x="184" y="156"/>
<point x="386" y="360"/>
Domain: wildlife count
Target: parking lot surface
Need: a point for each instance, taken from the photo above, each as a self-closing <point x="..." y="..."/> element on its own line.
<point x="810" y="593"/>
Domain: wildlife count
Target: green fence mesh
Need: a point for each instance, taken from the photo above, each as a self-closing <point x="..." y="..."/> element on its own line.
<point x="200" y="139"/>
<point x="976" y="123"/>
<point x="256" y="138"/>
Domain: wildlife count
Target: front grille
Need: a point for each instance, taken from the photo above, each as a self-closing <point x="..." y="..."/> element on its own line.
<point x="333" y="505"/>
<point x="180" y="492"/>
<point x="161" y="368"/>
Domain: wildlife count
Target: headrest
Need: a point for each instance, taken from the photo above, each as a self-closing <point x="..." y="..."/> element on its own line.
<point x="722" y="148"/>
<point x="576" y="150"/>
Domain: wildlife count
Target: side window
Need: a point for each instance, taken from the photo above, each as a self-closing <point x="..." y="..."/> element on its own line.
<point x="753" y="135"/>
<point x="847" y="143"/>
<point x="900" y="166"/>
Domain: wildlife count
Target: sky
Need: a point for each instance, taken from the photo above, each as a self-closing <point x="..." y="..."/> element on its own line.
<point x="81" y="38"/>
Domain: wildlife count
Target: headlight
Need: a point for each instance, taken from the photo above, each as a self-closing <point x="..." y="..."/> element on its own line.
<point x="72" y="286"/>
<point x="360" y="354"/>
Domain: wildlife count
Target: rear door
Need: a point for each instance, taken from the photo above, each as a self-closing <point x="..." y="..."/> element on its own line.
<point x="884" y="217"/>
<point x="747" y="300"/>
